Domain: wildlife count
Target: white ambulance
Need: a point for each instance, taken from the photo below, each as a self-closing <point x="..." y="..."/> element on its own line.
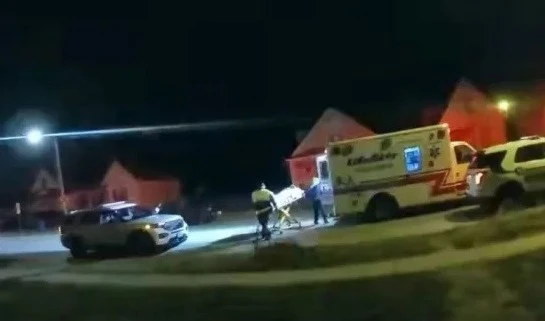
<point x="380" y="175"/>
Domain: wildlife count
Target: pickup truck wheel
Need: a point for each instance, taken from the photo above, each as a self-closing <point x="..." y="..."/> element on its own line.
<point x="383" y="207"/>
<point x="141" y="243"/>
<point x="78" y="249"/>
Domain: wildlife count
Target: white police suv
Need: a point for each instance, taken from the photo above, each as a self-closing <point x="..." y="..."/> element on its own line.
<point x="121" y="224"/>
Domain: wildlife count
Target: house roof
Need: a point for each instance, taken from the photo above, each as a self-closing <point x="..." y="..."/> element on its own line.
<point x="309" y="152"/>
<point x="473" y="118"/>
<point x="332" y="123"/>
<point x="465" y="102"/>
<point x="78" y="177"/>
<point x="466" y="97"/>
<point x="149" y="166"/>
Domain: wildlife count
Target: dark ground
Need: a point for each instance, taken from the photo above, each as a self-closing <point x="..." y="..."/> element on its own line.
<point x="506" y="290"/>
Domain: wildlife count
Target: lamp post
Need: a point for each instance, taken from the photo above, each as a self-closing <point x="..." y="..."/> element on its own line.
<point x="34" y="137"/>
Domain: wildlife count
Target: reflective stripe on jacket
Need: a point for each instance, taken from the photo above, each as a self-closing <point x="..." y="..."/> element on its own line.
<point x="263" y="200"/>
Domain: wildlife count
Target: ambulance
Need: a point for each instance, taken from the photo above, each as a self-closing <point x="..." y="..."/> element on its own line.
<point x="380" y="175"/>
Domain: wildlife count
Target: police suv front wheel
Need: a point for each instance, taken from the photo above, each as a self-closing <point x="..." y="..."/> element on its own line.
<point x="141" y="243"/>
<point x="78" y="249"/>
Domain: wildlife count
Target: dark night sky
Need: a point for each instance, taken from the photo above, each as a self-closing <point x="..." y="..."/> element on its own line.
<point x="151" y="64"/>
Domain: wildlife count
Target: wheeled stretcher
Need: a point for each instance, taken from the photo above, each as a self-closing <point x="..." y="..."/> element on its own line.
<point x="285" y="199"/>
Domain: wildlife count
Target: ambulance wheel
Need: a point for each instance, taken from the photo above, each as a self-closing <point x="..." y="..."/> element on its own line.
<point x="382" y="207"/>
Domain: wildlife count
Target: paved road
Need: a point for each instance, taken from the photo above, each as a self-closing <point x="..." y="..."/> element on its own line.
<point x="231" y="228"/>
<point x="200" y="236"/>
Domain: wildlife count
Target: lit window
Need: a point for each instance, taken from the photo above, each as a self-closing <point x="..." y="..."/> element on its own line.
<point x="413" y="159"/>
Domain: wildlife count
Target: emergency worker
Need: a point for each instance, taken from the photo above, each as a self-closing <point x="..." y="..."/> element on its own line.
<point x="264" y="205"/>
<point x="313" y="194"/>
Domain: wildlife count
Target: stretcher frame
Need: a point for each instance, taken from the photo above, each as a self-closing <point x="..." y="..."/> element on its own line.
<point x="282" y="214"/>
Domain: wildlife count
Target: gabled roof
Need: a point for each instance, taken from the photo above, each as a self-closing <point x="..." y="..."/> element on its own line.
<point x="332" y="125"/>
<point x="44" y="181"/>
<point x="77" y="176"/>
<point x="473" y="118"/>
<point x="466" y="97"/>
<point x="149" y="167"/>
<point x="466" y="100"/>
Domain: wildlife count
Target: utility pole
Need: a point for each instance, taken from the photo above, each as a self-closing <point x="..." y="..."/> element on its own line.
<point x="60" y="179"/>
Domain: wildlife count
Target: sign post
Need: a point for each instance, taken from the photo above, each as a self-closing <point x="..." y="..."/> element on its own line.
<point x="18" y="212"/>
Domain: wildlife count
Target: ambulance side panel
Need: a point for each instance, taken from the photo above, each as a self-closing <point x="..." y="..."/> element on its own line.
<point x="399" y="164"/>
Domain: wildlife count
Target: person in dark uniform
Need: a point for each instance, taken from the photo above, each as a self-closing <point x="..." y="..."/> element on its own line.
<point x="313" y="194"/>
<point x="264" y="205"/>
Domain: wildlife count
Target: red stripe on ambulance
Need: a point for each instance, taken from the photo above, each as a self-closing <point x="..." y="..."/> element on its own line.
<point x="437" y="179"/>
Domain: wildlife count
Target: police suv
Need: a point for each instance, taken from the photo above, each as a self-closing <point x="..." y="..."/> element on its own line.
<point x="121" y="224"/>
<point x="508" y="175"/>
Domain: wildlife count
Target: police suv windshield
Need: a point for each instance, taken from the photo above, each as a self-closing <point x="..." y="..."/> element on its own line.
<point x="132" y="213"/>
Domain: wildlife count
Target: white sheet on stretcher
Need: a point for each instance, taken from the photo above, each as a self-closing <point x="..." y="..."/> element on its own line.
<point x="288" y="196"/>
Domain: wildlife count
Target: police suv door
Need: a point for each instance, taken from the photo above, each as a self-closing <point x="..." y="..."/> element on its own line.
<point x="89" y="227"/>
<point x="111" y="229"/>
<point x="530" y="164"/>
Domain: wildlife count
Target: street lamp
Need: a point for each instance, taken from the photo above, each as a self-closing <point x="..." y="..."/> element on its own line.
<point x="504" y="105"/>
<point x="36" y="136"/>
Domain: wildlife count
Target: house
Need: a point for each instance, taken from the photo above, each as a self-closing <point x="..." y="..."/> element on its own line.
<point x="139" y="185"/>
<point x="119" y="182"/>
<point x="331" y="126"/>
<point x="45" y="193"/>
<point x="473" y="118"/>
<point x="529" y="110"/>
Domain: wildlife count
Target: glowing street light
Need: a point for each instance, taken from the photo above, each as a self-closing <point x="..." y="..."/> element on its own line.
<point x="35" y="137"/>
<point x="504" y="105"/>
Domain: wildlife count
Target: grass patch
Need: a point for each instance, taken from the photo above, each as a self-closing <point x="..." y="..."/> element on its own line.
<point x="281" y="256"/>
<point x="5" y="262"/>
<point x="33" y="261"/>
<point x="504" y="290"/>
<point x="365" y="300"/>
<point x="498" y="229"/>
<point x="289" y="256"/>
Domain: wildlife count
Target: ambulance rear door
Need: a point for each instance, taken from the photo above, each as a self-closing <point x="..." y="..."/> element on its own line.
<point x="326" y="189"/>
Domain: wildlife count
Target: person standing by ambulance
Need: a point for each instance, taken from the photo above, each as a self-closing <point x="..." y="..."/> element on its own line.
<point x="264" y="205"/>
<point x="313" y="194"/>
